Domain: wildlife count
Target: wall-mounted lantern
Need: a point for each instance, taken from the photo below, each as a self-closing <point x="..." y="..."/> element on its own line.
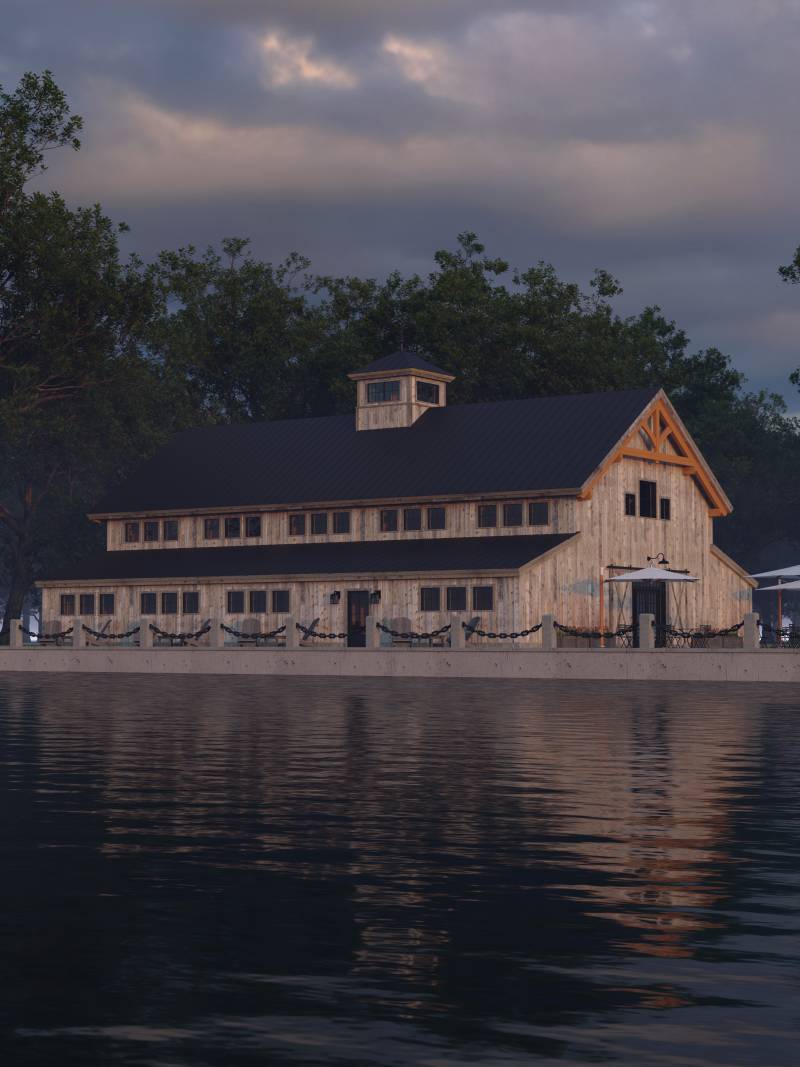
<point x="375" y="597"/>
<point x="336" y="596"/>
<point x="659" y="559"/>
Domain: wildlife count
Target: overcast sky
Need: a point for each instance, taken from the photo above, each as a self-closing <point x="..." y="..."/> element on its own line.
<point x="655" y="138"/>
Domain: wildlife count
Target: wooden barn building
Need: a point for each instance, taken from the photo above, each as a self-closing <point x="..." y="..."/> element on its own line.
<point x="413" y="510"/>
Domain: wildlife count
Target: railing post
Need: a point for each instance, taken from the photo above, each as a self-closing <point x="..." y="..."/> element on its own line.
<point x="145" y="634"/>
<point x="15" y="636"/>
<point x="78" y="635"/>
<point x="647" y="632"/>
<point x="292" y="633"/>
<point x="456" y="633"/>
<point x="549" y="642"/>
<point x="751" y="637"/>
<point x="373" y="633"/>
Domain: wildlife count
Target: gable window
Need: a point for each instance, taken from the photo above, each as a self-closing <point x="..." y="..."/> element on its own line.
<point x="151" y="531"/>
<point x="319" y="522"/>
<point x="630" y="503"/>
<point x="131" y="532"/>
<point x="436" y="518"/>
<point x="211" y="529"/>
<point x="483" y="598"/>
<point x="341" y="522"/>
<point x="280" y="601"/>
<point x="233" y="526"/>
<point x="67" y="603"/>
<point x="190" y="603"/>
<point x="647" y="499"/>
<point x="539" y="513"/>
<point x="456" y="598"/>
<point x="389" y="520"/>
<point x="169" y="603"/>
<point x="380" y="392"/>
<point x="512" y="514"/>
<point x="487" y="515"/>
<point x="427" y="393"/>
<point x="258" y="602"/>
<point x="235" y="602"/>
<point x="665" y="507"/>
<point x="297" y="525"/>
<point x="106" y="603"/>
<point x="429" y="598"/>
<point x="412" y="519"/>
<point x="147" y="603"/>
<point x="170" y="529"/>
<point x="252" y="526"/>
<point x="87" y="603"/>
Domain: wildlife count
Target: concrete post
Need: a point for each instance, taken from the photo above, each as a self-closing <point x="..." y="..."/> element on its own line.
<point x="292" y="633"/>
<point x="15" y="635"/>
<point x="145" y="634"/>
<point x="752" y="638"/>
<point x="647" y="632"/>
<point x="456" y="634"/>
<point x="549" y="636"/>
<point x="78" y="635"/>
<point x="373" y="633"/>
<point x="216" y="635"/>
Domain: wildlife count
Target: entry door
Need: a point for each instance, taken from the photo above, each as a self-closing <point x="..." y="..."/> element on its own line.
<point x="650" y="598"/>
<point x="357" y="611"/>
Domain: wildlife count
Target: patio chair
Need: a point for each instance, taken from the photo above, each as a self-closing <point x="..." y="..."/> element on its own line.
<point x="403" y="626"/>
<point x="53" y="626"/>
<point x="250" y="628"/>
<point x="384" y="639"/>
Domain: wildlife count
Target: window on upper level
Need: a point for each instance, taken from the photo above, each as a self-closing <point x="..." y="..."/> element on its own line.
<point x="170" y="529"/>
<point x="381" y="392"/>
<point x="280" y="601"/>
<point x="190" y="602"/>
<point x="87" y="603"/>
<point x="630" y="503"/>
<point x="151" y="531"/>
<point x="169" y="603"/>
<point x="258" y="602"/>
<point x="147" y="603"/>
<point x="319" y="522"/>
<point x="233" y="526"/>
<point x="388" y="520"/>
<point x="131" y="532"/>
<point x="665" y="508"/>
<point x="252" y="526"/>
<point x="487" y="515"/>
<point x="430" y="598"/>
<point x="211" y="529"/>
<point x="427" y="393"/>
<point x="456" y="598"/>
<point x="437" y="519"/>
<point x="647" y="499"/>
<point x="483" y="598"/>
<point x="297" y="525"/>
<point x="539" y="513"/>
<point x="341" y="522"/>
<point x="235" y="602"/>
<point x="512" y="514"/>
<point x="67" y="603"/>
<point x="412" y="518"/>
<point x="106" y="603"/>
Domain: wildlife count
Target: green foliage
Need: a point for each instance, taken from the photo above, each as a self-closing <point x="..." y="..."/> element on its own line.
<point x="791" y="273"/>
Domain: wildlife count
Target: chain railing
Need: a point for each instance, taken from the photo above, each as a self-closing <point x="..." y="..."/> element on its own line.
<point x="513" y="635"/>
<point x="624" y="634"/>
<point x="412" y="635"/>
<point x="309" y="631"/>
<point x="102" y="635"/>
<point x="253" y="636"/>
<point x="181" y="638"/>
<point x="47" y="637"/>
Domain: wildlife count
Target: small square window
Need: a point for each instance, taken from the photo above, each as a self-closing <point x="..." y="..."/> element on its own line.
<point x="429" y="598"/>
<point x="319" y="522"/>
<point x="512" y="514"/>
<point x="68" y="604"/>
<point x="258" y="602"/>
<point x="87" y="603"/>
<point x="665" y="507"/>
<point x="341" y="522"/>
<point x="170" y="529"/>
<point x="630" y="503"/>
<point x="487" y="515"/>
<point x="389" y="520"/>
<point x="412" y="519"/>
<point x="381" y="392"/>
<point x="456" y="598"/>
<point x="147" y="603"/>
<point x="151" y="531"/>
<point x="233" y="527"/>
<point x="106" y="603"/>
<point x="169" y="603"/>
<point x="427" y="393"/>
<point x="131" y="533"/>
<point x="235" y="602"/>
<point x="211" y="529"/>
<point x="280" y="601"/>
<point x="191" y="603"/>
<point x="539" y="513"/>
<point x="252" y="526"/>
<point x="436" y="518"/>
<point x="297" y="525"/>
<point x="483" y="598"/>
<point x="647" y="500"/>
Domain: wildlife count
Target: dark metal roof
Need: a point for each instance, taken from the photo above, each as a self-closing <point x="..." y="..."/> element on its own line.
<point x="514" y="446"/>
<point x="369" y="558"/>
<point x="401" y="361"/>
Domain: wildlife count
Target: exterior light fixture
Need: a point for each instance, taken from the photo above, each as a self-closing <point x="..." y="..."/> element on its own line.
<point x="659" y="559"/>
<point x="336" y="596"/>
<point x="375" y="597"/>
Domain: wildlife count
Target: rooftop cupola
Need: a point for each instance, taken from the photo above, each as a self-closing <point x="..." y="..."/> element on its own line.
<point x="396" y="390"/>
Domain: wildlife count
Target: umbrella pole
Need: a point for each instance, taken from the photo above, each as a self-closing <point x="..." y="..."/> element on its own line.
<point x="602" y="610"/>
<point x="780" y="612"/>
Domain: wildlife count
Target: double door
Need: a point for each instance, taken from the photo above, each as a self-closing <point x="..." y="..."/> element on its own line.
<point x="650" y="598"/>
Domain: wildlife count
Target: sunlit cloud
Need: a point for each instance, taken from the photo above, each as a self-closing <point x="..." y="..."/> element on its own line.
<point x="289" y="62"/>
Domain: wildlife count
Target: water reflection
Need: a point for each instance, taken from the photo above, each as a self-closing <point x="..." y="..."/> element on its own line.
<point x="240" y="871"/>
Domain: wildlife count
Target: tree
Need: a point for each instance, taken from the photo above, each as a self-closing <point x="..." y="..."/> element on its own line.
<point x="791" y="273"/>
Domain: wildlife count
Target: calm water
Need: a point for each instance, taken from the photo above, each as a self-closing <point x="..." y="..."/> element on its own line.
<point x="234" y="872"/>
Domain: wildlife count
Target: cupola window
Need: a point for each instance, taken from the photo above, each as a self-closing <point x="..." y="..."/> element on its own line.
<point x="427" y="393"/>
<point x="382" y="392"/>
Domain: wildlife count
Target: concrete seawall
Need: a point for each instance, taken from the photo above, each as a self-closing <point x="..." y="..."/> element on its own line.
<point x="600" y="664"/>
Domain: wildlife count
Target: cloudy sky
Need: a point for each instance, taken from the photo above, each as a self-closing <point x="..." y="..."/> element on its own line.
<point x="656" y="138"/>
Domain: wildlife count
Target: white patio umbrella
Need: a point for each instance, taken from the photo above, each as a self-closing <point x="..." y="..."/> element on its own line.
<point x="785" y="587"/>
<point x="653" y="574"/>
<point x="784" y="572"/>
